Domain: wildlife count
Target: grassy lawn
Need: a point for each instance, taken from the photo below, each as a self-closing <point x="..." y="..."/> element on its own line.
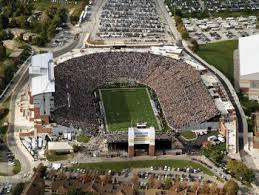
<point x="188" y="135"/>
<point x="125" y="107"/>
<point x="17" y="167"/>
<point x="220" y="55"/>
<point x="120" y="165"/>
<point x="214" y="152"/>
<point x="58" y="157"/>
<point x="83" y="138"/>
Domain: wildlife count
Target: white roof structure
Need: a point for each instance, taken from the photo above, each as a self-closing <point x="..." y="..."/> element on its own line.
<point x="42" y="74"/>
<point x="59" y="146"/>
<point x="249" y="55"/>
<point x="195" y="65"/>
<point x="223" y="106"/>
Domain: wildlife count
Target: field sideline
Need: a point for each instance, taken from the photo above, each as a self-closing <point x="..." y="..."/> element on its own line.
<point x="124" y="107"/>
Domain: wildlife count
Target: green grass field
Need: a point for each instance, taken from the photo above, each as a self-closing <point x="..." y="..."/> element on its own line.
<point x="220" y="55"/>
<point x="188" y="135"/>
<point x="51" y="156"/>
<point x="17" y="167"/>
<point x="127" y="106"/>
<point x="120" y="165"/>
<point x="83" y="138"/>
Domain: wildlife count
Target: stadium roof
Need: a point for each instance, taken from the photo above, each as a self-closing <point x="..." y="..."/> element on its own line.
<point x="42" y="74"/>
<point x="248" y="55"/>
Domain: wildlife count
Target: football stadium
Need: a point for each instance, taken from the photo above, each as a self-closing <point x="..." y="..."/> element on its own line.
<point x="112" y="91"/>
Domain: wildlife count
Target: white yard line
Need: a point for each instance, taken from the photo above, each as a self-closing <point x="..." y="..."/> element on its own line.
<point x="103" y="109"/>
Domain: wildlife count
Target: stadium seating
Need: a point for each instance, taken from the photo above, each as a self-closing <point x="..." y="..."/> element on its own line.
<point x="184" y="98"/>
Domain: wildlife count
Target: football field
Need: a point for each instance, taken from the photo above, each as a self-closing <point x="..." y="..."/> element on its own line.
<point x="124" y="107"/>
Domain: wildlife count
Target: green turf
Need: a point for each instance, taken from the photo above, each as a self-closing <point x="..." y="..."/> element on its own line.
<point x="51" y="156"/>
<point x="120" y="165"/>
<point x="124" y="107"/>
<point x="220" y="55"/>
<point x="83" y="138"/>
<point x="188" y="135"/>
<point x="17" y="167"/>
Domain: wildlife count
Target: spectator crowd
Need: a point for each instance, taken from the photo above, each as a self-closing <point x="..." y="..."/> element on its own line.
<point x="184" y="98"/>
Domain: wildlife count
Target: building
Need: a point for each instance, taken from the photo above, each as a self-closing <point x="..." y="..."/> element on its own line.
<point x="59" y="147"/>
<point x="42" y="85"/>
<point x="248" y="67"/>
<point x="141" y="135"/>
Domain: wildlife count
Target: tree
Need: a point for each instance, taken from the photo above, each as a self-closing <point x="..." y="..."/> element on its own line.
<point x="8" y="10"/>
<point x="12" y="23"/>
<point x="9" y="70"/>
<point x="56" y="21"/>
<point x="178" y="12"/>
<point x="2" y="51"/>
<point x="178" y="20"/>
<point x="4" y="21"/>
<point x="240" y="171"/>
<point x="17" y="190"/>
<point x="76" y="148"/>
<point x="168" y="184"/>
<point x="185" y="35"/>
<point x="22" y="22"/>
<point x="231" y="187"/>
<point x="62" y="13"/>
<point x="3" y="35"/>
<point x="51" y="31"/>
<point x="195" y="45"/>
<point x="51" y="11"/>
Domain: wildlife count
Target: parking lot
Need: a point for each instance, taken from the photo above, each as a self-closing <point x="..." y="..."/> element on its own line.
<point x="211" y="30"/>
<point x="62" y="38"/>
<point x="7" y="160"/>
<point x="214" y="5"/>
<point x="134" y="22"/>
<point x="5" y="188"/>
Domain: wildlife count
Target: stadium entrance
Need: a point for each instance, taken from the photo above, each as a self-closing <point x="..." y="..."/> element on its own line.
<point x="143" y="138"/>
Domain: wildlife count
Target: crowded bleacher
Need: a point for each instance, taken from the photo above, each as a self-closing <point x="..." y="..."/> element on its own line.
<point x="184" y="98"/>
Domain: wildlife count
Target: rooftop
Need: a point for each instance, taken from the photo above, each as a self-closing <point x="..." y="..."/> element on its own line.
<point x="59" y="146"/>
<point x="42" y="74"/>
<point x="248" y="54"/>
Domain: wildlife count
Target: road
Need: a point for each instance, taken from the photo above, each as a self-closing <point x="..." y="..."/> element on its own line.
<point x="169" y="20"/>
<point x="13" y="142"/>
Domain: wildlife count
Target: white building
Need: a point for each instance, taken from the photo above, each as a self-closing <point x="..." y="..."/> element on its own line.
<point x="42" y="85"/>
<point x="249" y="66"/>
<point x="60" y="147"/>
